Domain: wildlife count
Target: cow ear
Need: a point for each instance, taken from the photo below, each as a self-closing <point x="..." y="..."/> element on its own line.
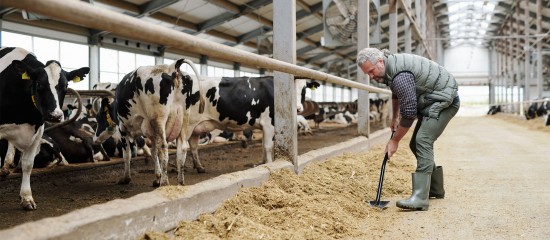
<point x="21" y="69"/>
<point x="78" y="74"/>
<point x="179" y="62"/>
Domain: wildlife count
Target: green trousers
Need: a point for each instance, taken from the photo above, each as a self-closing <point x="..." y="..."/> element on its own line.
<point x="426" y="131"/>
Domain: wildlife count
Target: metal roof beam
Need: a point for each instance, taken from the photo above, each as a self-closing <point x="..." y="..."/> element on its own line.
<point x="318" y="57"/>
<point x="153" y="6"/>
<point x="310" y="31"/>
<point x="253" y="34"/>
<point x="304" y="50"/>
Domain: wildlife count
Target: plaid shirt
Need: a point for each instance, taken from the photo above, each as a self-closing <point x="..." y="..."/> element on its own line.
<point x="404" y="88"/>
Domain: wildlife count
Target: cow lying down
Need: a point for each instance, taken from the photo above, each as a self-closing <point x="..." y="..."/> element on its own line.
<point x="48" y="155"/>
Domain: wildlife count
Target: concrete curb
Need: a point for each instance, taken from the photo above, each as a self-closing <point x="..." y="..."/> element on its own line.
<point x="162" y="210"/>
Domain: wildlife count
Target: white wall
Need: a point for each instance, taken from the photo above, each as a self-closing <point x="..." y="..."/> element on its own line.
<point x="470" y="65"/>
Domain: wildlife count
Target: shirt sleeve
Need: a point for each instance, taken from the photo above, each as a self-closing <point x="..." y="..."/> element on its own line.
<point x="404" y="87"/>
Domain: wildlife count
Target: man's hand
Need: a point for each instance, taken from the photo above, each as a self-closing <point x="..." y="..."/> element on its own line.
<point x="394" y="123"/>
<point x="391" y="147"/>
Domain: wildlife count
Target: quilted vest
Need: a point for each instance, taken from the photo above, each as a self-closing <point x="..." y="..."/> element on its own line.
<point x="436" y="88"/>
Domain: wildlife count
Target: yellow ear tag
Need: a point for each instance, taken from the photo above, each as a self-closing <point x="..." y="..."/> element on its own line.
<point x="312" y="88"/>
<point x="76" y="79"/>
<point x="25" y="76"/>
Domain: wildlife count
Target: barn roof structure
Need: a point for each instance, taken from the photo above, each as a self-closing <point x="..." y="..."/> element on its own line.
<point x="506" y="25"/>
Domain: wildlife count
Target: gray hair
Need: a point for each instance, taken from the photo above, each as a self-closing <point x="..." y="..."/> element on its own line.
<point x="371" y="54"/>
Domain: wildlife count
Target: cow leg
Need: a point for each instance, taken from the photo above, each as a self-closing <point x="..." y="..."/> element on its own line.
<point x="160" y="150"/>
<point x="127" y="156"/>
<point x="267" y="140"/>
<point x="156" y="162"/>
<point x="194" y="146"/>
<point x="61" y="159"/>
<point x="27" y="161"/>
<point x="8" y="161"/>
<point x="181" y="154"/>
<point x="163" y="155"/>
<point x="147" y="152"/>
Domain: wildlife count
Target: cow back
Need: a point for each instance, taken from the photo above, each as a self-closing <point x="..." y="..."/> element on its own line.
<point x="244" y="99"/>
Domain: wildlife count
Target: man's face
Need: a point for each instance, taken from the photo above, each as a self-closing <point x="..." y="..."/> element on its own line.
<point x="375" y="71"/>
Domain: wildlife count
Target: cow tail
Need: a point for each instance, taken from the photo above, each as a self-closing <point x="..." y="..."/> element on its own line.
<point x="201" y="97"/>
<point x="201" y="104"/>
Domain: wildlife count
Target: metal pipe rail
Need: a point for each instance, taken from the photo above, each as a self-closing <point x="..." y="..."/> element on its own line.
<point x="95" y="93"/>
<point x="87" y="15"/>
<point x="522" y="102"/>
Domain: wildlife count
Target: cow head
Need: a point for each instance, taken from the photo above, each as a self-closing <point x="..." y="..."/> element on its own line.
<point x="49" y="86"/>
<point x="106" y="121"/>
<point x="301" y="86"/>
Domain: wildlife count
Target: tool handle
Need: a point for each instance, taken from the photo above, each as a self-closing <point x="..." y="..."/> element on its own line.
<point x="382" y="170"/>
<point x="381" y="181"/>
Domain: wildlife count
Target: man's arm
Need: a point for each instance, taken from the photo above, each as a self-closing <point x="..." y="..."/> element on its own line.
<point x="404" y="103"/>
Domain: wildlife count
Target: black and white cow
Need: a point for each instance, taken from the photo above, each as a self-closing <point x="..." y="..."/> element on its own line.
<point x="76" y="143"/>
<point x="30" y="93"/>
<point x="495" y="109"/>
<point x="538" y="109"/>
<point x="163" y="104"/>
<point x="236" y="104"/>
<point x="155" y="102"/>
<point x="48" y="155"/>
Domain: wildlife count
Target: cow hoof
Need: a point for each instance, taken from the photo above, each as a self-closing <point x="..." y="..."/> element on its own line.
<point x="124" y="181"/>
<point x="4" y="173"/>
<point x="28" y="204"/>
<point x="244" y="144"/>
<point x="201" y="170"/>
<point x="156" y="183"/>
<point x="164" y="182"/>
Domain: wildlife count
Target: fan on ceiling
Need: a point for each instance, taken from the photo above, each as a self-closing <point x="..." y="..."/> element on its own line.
<point x="340" y="22"/>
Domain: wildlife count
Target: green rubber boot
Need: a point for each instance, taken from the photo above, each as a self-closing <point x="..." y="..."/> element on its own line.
<point x="419" y="197"/>
<point x="436" y="187"/>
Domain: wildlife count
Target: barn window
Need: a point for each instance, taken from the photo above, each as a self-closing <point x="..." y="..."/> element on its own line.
<point x="70" y="55"/>
<point x="114" y="64"/>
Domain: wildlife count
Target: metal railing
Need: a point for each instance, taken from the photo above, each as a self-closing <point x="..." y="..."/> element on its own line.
<point x="81" y="13"/>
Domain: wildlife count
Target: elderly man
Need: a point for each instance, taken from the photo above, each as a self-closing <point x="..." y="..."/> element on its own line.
<point x="421" y="89"/>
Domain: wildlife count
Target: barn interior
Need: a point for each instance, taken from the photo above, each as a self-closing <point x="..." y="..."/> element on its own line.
<point x="496" y="49"/>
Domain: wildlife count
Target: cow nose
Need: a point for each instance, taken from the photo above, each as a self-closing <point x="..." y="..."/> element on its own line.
<point x="55" y="117"/>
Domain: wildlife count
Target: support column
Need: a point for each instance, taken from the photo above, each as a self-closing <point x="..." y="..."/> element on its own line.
<point x="539" y="50"/>
<point x="363" y="126"/>
<point x="508" y="71"/>
<point x="527" y="63"/>
<point x="203" y="61"/>
<point x="407" y="29"/>
<point x="236" y="69"/>
<point x="511" y="68"/>
<point x="159" y="60"/>
<point x="517" y="63"/>
<point x="94" y="66"/>
<point x="393" y="26"/>
<point x="284" y="49"/>
<point x="419" y="19"/>
<point x="492" y="73"/>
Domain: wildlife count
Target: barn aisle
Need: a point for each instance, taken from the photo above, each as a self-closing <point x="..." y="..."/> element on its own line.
<point x="496" y="175"/>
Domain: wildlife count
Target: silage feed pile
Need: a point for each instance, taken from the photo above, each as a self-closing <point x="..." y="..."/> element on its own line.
<point x="327" y="200"/>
